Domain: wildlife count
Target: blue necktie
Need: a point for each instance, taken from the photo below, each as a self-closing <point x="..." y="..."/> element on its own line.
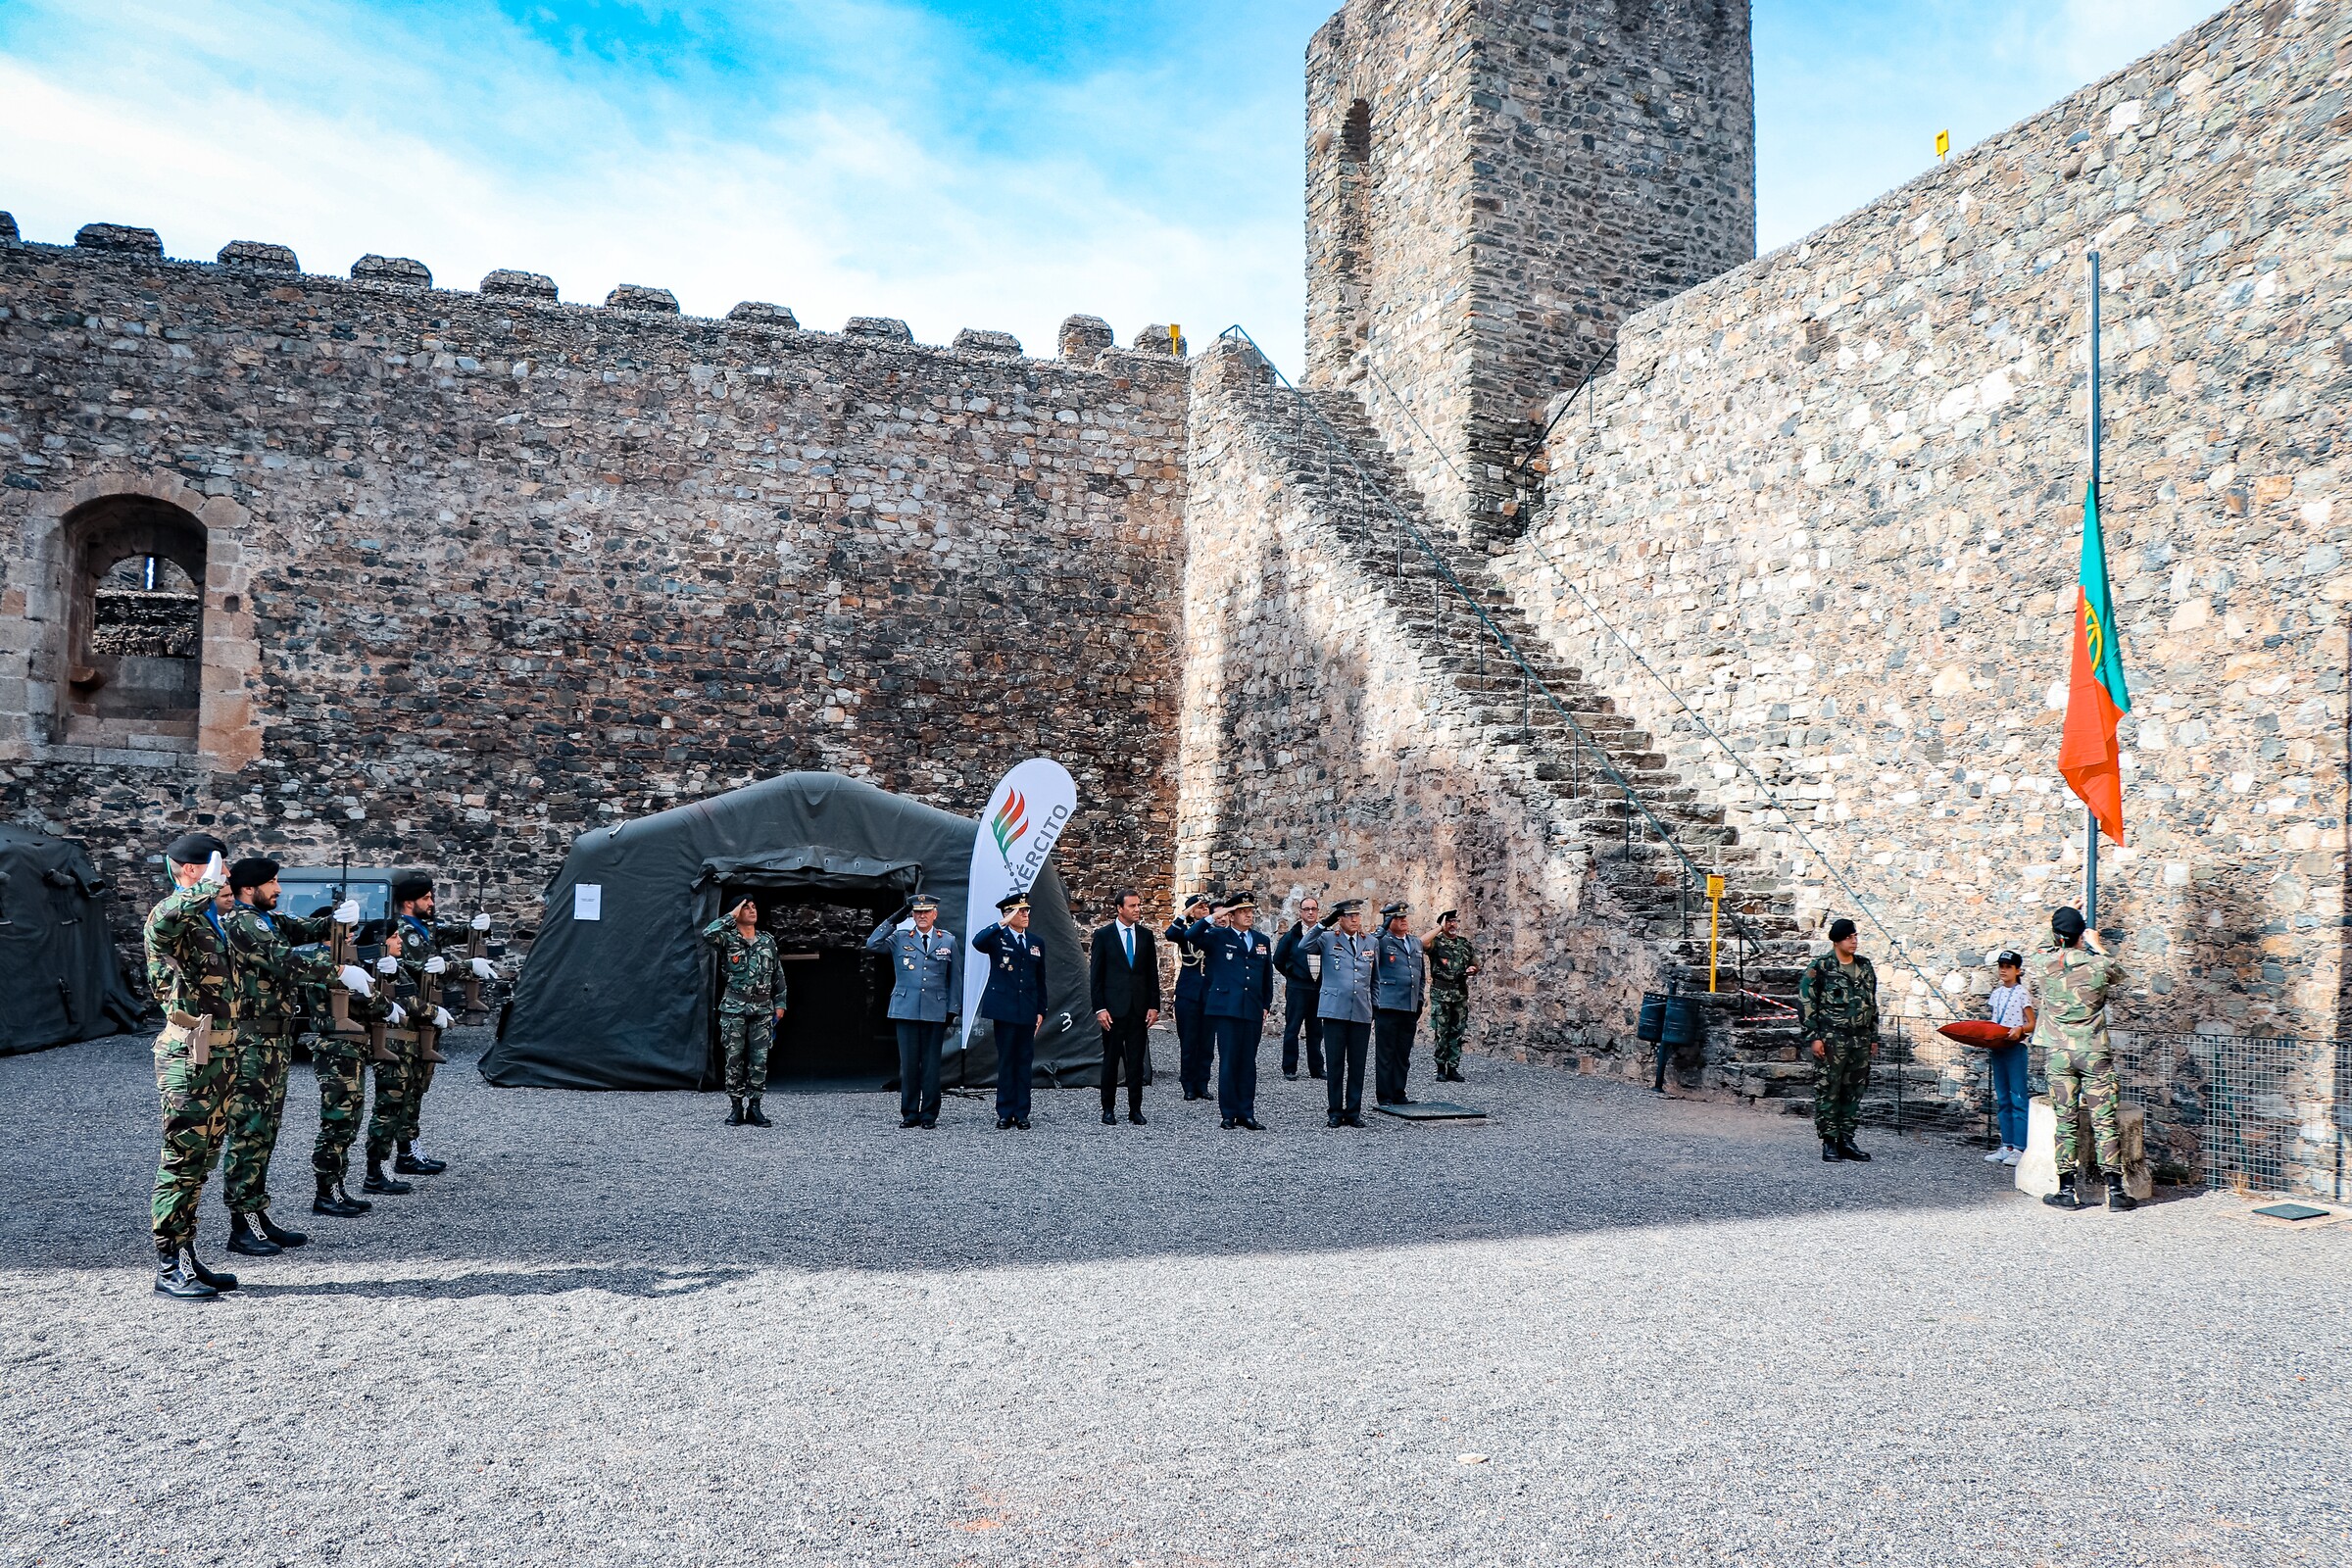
<point x="1127" y="935"/>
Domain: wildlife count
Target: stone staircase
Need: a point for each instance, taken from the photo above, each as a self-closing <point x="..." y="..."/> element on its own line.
<point x="1603" y="772"/>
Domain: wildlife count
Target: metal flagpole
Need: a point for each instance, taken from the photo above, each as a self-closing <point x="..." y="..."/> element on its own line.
<point x="2090" y="819"/>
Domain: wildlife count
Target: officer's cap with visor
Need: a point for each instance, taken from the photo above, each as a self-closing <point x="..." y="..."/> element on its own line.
<point x="193" y="849"/>
<point x="1345" y="906"/>
<point x="1009" y="903"/>
<point x="1393" y="910"/>
<point x="1239" y="901"/>
<point x="921" y="902"/>
<point x="255" y="871"/>
<point x="1196" y="900"/>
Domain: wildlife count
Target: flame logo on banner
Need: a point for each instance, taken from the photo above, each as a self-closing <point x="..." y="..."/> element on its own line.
<point x="1009" y="825"/>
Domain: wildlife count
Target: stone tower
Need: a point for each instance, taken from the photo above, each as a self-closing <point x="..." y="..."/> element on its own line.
<point x="1493" y="185"/>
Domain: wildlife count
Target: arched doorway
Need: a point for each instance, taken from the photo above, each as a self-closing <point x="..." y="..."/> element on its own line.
<point x="134" y="624"/>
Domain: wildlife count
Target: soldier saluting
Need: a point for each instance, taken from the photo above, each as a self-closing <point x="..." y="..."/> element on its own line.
<point x="749" y="1008"/>
<point x="1195" y="1049"/>
<point x="1239" y="963"/>
<point x="1838" y="1012"/>
<point x="1347" y="958"/>
<point x="922" y="963"/>
<point x="1016" y="1002"/>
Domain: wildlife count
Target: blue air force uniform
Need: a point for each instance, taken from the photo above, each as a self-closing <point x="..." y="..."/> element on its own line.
<point x="1196" y="1049"/>
<point x="1014" y="1001"/>
<point x="1239" y="988"/>
<point x="922" y="999"/>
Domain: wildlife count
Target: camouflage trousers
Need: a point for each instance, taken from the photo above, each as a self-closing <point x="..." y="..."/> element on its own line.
<point x="391" y="1094"/>
<point x="2084" y="1076"/>
<point x="1842" y="1076"/>
<point x="747" y="1037"/>
<point x="342" y="1096"/>
<point x="195" y="1108"/>
<point x="257" y="1104"/>
<point x="1448" y="1022"/>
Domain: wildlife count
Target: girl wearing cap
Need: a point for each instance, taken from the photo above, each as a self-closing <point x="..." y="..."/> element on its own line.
<point x="2010" y="1006"/>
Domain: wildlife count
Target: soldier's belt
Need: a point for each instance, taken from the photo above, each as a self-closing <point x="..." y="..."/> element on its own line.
<point x="272" y="1025"/>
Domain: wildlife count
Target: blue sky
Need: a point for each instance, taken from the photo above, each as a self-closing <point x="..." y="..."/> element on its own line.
<point x="955" y="163"/>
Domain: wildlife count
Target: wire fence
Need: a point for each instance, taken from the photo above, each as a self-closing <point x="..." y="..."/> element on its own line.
<point x="2249" y="1113"/>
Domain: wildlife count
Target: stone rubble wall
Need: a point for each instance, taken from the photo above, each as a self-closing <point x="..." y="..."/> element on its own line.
<point x="1834" y="498"/>
<point x="1322" y="751"/>
<point x="511" y="568"/>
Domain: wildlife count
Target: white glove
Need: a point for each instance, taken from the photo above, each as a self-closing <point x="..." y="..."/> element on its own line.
<point x="214" y="870"/>
<point x="355" y="980"/>
<point x="907" y="924"/>
<point x="481" y="922"/>
<point x="435" y="964"/>
<point x="387" y="964"/>
<point x="482" y="969"/>
<point x="441" y="1019"/>
<point x="400" y="1015"/>
<point x="347" y="912"/>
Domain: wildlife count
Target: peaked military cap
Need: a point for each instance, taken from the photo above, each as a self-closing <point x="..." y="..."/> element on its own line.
<point x="1240" y="900"/>
<point x="921" y="902"/>
<point x="1393" y="910"/>
<point x="252" y="871"/>
<point x="1196" y="900"/>
<point x="413" y="886"/>
<point x="1011" y="901"/>
<point x="1345" y="906"/>
<point x="193" y="849"/>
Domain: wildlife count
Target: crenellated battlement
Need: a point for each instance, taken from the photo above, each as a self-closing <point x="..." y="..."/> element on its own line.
<point x="1084" y="342"/>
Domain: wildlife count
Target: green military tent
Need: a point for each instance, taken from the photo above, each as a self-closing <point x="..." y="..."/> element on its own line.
<point x="619" y="989"/>
<point x="59" y="980"/>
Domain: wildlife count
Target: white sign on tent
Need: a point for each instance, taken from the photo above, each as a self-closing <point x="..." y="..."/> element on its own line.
<point x="1026" y="813"/>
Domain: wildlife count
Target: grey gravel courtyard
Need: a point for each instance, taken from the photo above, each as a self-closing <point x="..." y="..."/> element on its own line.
<point x="619" y="1331"/>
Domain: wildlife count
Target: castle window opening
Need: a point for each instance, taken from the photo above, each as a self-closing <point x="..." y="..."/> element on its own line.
<point x="134" y="630"/>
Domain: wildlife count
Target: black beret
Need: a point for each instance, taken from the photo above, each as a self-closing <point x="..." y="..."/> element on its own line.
<point x="1445" y="915"/>
<point x="413" y="886"/>
<point x="252" y="871"/>
<point x="1841" y="928"/>
<point x="194" y="848"/>
<point x="2067" y="923"/>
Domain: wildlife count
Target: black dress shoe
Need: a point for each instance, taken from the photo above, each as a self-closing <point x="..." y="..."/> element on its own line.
<point x="1848" y="1150"/>
<point x="1004" y="1124"/>
<point x="1253" y="1124"/>
<point x="753" y="1114"/>
<point x="1111" y="1118"/>
<point x="930" y="1122"/>
<point x="1316" y="1076"/>
<point x="734" y="1110"/>
<point x="279" y="1232"/>
<point x="1227" y="1124"/>
<point x="412" y="1163"/>
<point x="174" y="1278"/>
<point x="378" y="1182"/>
<point x="1135" y="1116"/>
<point x="1334" y="1119"/>
<point x="218" y="1279"/>
<point x="1355" y="1118"/>
<point x="910" y="1121"/>
<point x="246" y="1241"/>
<point x="1829" y="1152"/>
<point x="1291" y="1075"/>
<point x="1022" y="1122"/>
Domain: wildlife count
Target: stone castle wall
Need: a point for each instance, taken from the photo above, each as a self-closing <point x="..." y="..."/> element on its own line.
<point x="485" y="570"/>
<point x="1518" y="180"/>
<point x="1835" y="499"/>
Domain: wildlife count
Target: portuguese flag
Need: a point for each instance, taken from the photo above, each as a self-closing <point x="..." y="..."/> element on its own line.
<point x="2095" y="696"/>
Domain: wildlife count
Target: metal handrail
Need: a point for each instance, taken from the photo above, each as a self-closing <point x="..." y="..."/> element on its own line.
<point x="1502" y="641"/>
<point x="1862" y="905"/>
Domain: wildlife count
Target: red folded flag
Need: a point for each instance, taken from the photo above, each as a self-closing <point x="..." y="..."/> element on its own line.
<point x="2095" y="696"/>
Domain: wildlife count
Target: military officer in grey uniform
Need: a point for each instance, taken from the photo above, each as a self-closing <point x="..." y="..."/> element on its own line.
<point x="1399" y="991"/>
<point x="923" y="1002"/>
<point x="1347" y="958"/>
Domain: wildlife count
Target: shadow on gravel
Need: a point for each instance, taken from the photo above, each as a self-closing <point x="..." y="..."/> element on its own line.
<point x="679" y="1201"/>
<point x="618" y="1281"/>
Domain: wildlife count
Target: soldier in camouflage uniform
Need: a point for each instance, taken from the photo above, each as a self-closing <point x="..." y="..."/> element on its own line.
<point x="340" y="1063"/>
<point x="423" y="962"/>
<point x="1837" y="1013"/>
<point x="1452" y="960"/>
<point x="2072" y="986"/>
<point x="748" y="1009"/>
<point x="267" y="1004"/>
<point x="392" y="1075"/>
<point x="187" y="970"/>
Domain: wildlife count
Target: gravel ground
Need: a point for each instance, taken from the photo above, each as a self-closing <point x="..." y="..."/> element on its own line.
<point x="618" y="1331"/>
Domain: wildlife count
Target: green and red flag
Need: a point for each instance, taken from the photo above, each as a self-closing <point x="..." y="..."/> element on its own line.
<point x="2095" y="698"/>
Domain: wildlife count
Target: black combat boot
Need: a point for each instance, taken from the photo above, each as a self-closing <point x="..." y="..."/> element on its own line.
<point x="378" y="1182"/>
<point x="1848" y="1150"/>
<point x="753" y="1115"/>
<point x="174" y="1278"/>
<point x="2064" y="1196"/>
<point x="2118" y="1198"/>
<point x="245" y="1241"/>
<point x="734" y="1110"/>
<point x="334" y="1203"/>
<point x="218" y="1279"/>
<point x="278" y="1233"/>
<point x="412" y="1163"/>
<point x="1829" y="1152"/>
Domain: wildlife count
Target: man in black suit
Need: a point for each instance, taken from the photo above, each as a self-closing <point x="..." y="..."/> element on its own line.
<point x="1124" y="976"/>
